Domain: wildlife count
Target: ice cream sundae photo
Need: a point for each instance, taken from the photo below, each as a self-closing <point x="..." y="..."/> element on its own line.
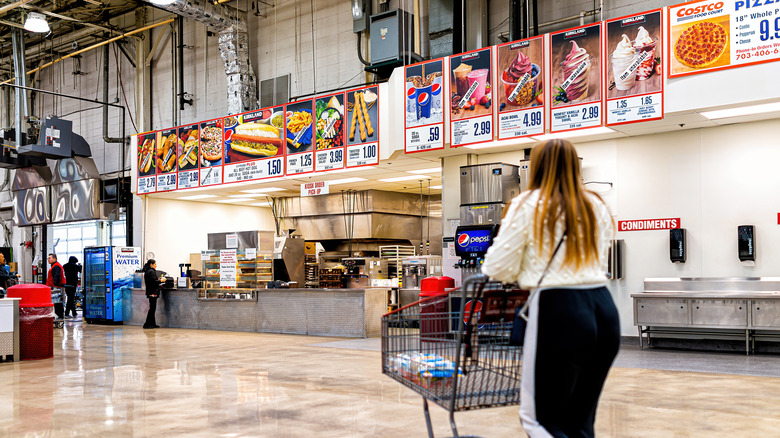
<point x="520" y="81"/>
<point x="622" y="59"/>
<point x="634" y="62"/>
<point x="647" y="44"/>
<point x="576" y="75"/>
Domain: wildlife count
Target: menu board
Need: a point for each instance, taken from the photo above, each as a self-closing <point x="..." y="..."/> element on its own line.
<point x="634" y="79"/>
<point x="714" y="35"/>
<point x="329" y="131"/>
<point x="520" y="88"/>
<point x="146" y="156"/>
<point x="470" y="98"/>
<point x="211" y="152"/>
<point x="362" y="111"/>
<point x="424" y="114"/>
<point x="254" y="145"/>
<point x="299" y="128"/>
<point x="575" y="77"/>
<point x="188" y="156"/>
<point x="167" y="144"/>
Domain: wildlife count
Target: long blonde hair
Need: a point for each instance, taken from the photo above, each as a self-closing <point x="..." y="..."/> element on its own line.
<point x="555" y="172"/>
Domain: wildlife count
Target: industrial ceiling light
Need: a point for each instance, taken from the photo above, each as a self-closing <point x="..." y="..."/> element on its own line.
<point x="36" y="23"/>
<point x="162" y="2"/>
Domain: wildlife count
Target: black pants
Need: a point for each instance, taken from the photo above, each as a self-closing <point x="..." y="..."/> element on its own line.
<point x="58" y="310"/>
<point x="70" y="306"/>
<point x="573" y="336"/>
<point x="150" y="322"/>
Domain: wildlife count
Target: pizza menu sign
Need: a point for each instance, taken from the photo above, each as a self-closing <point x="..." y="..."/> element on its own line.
<point x="715" y="35"/>
<point x="314" y="135"/>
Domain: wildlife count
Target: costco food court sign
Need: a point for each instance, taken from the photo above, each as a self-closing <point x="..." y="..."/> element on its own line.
<point x="649" y="224"/>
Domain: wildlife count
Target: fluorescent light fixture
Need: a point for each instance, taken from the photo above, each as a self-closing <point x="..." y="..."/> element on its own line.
<point x="245" y="196"/>
<point x="435" y="187"/>
<point x="577" y="133"/>
<point x="194" y="197"/>
<point x="345" y="181"/>
<point x="234" y="200"/>
<point x="742" y="111"/>
<point x="261" y="204"/>
<point x="431" y="170"/>
<point x="405" y="178"/>
<point x="162" y="2"/>
<point x="36" y="23"/>
<point x="264" y="191"/>
<point x="498" y="144"/>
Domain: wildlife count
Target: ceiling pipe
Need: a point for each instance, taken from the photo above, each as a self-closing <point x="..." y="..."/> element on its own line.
<point x="15" y="5"/>
<point x="106" y="138"/>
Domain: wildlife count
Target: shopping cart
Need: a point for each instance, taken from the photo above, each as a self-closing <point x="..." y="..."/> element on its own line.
<point x="56" y="298"/>
<point x="459" y="359"/>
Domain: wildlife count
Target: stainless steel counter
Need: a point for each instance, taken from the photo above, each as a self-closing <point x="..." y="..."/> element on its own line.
<point x="747" y="308"/>
<point x="321" y="312"/>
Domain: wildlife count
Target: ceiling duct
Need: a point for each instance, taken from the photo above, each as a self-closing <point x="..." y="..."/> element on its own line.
<point x="233" y="47"/>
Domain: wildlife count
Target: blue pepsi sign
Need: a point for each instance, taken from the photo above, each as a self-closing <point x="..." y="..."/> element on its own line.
<point x="473" y="241"/>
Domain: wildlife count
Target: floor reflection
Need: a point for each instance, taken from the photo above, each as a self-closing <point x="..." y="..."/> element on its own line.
<point x="123" y="381"/>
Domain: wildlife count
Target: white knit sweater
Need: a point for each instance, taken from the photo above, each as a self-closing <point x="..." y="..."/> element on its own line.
<point x="514" y="256"/>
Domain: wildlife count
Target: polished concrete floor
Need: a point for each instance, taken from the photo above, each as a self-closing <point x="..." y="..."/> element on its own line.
<point x="125" y="381"/>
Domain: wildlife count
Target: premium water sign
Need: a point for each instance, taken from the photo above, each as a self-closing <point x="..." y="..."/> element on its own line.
<point x="108" y="278"/>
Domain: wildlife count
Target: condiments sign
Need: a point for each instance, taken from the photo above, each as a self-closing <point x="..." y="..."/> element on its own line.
<point x="648" y="224"/>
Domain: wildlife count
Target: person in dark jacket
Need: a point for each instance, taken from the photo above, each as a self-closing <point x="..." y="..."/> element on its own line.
<point x="152" y="282"/>
<point x="72" y="270"/>
<point x="55" y="279"/>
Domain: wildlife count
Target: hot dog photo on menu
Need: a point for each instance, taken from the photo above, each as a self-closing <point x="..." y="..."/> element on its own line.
<point x="255" y="135"/>
<point x="575" y="66"/>
<point x="211" y="143"/>
<point x="634" y="55"/>
<point x="147" y="152"/>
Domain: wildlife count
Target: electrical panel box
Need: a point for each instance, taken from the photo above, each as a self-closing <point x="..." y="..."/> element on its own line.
<point x="392" y="34"/>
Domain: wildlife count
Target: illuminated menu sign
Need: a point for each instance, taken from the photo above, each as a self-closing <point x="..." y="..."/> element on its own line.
<point x="424" y="109"/>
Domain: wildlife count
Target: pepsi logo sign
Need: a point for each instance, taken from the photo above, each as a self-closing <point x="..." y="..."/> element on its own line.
<point x="465" y="240"/>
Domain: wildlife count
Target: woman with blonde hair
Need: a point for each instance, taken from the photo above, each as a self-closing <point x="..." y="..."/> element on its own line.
<point x="554" y="240"/>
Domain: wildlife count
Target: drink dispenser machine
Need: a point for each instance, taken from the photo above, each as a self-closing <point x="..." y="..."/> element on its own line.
<point x="471" y="244"/>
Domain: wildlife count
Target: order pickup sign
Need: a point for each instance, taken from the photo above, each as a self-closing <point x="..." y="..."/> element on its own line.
<point x="315" y="188"/>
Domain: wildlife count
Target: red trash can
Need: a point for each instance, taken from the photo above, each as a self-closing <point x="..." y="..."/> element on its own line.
<point x="36" y="320"/>
<point x="434" y="305"/>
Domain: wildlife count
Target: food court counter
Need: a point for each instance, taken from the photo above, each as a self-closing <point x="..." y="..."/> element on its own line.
<point x="322" y="312"/>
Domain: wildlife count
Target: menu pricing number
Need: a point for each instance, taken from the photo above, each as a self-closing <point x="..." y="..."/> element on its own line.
<point x="188" y="179"/>
<point x="521" y="123"/>
<point x="424" y="138"/>
<point x="330" y="159"/>
<point x="634" y="108"/>
<point x="274" y="167"/>
<point x="147" y="185"/>
<point x="581" y="116"/>
<point x="475" y="130"/>
<point x="210" y="176"/>
<point x="166" y="182"/>
<point x="300" y="163"/>
<point x="363" y="154"/>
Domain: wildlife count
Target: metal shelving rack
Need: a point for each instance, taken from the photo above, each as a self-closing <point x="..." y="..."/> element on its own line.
<point x="394" y="254"/>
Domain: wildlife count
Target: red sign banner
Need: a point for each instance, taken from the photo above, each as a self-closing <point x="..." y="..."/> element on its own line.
<point x="649" y="224"/>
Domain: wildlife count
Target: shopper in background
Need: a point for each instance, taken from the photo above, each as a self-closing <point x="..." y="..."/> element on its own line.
<point x="56" y="278"/>
<point x="5" y="275"/>
<point x="573" y="331"/>
<point x="152" y="291"/>
<point x="72" y="270"/>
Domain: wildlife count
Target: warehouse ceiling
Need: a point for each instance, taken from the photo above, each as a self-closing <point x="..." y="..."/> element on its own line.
<point x="73" y="24"/>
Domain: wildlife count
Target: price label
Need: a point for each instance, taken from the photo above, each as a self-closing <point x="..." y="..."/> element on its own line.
<point x="147" y="185"/>
<point x="363" y="154"/>
<point x="634" y="108"/>
<point x="425" y="138"/>
<point x="242" y="171"/>
<point x="574" y="117"/>
<point x="210" y="176"/>
<point x="300" y="163"/>
<point x="166" y="182"/>
<point x="474" y="130"/>
<point x="189" y="179"/>
<point x="521" y="123"/>
<point x="330" y="159"/>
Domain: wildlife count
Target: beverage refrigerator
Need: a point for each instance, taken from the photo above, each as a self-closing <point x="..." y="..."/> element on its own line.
<point x="108" y="276"/>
